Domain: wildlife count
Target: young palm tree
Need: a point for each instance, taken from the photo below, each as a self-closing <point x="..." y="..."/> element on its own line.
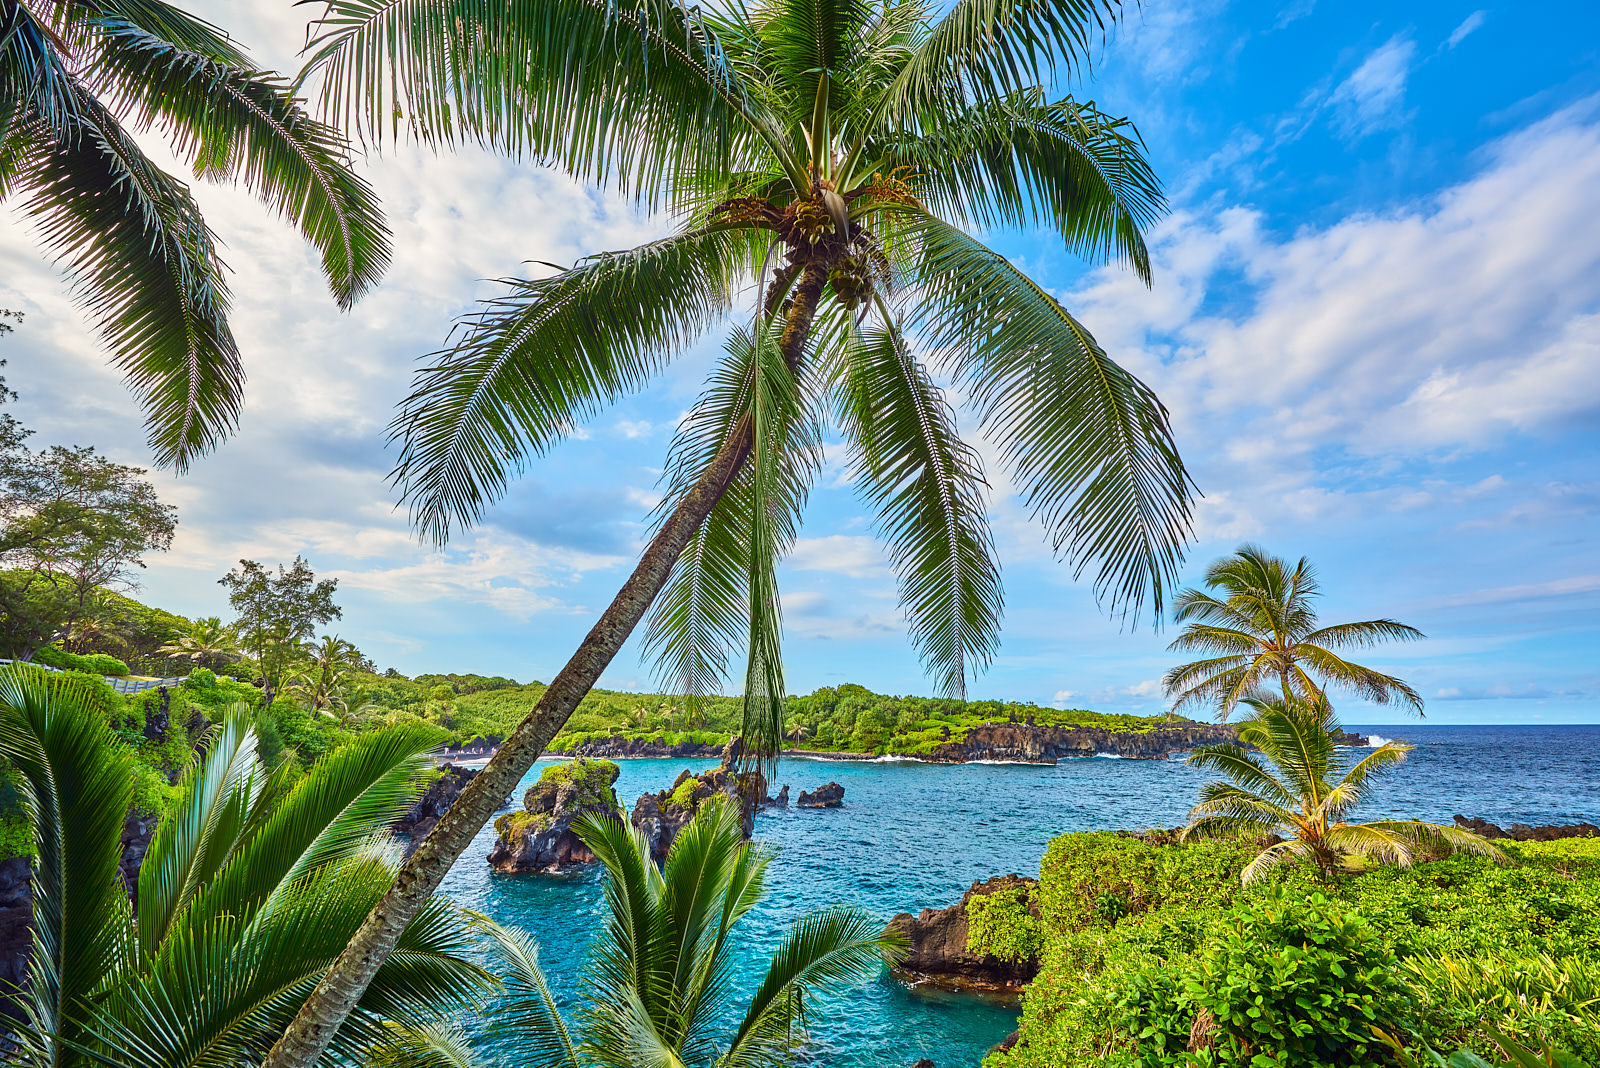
<point x="1264" y="630"/>
<point x="659" y="987"/>
<point x="828" y="156"/>
<point x="78" y="79"/>
<point x="207" y="643"/>
<point x="1301" y="787"/>
<point x="321" y="683"/>
<point x="251" y="886"/>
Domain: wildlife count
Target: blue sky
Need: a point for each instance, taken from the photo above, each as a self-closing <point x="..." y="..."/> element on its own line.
<point x="1375" y="320"/>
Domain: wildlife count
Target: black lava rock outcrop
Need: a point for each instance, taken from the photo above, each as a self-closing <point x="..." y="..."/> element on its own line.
<point x="426" y="810"/>
<point x="1521" y="832"/>
<point x="540" y="837"/>
<point x="620" y="748"/>
<point x="938" y="943"/>
<point x="828" y="795"/>
<point x="1028" y="743"/>
<point x="662" y="815"/>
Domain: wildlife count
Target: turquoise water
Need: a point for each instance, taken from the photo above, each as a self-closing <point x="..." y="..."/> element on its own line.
<point x="914" y="835"/>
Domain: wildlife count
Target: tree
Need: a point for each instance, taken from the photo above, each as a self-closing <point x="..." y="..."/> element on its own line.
<point x="1301" y="787"/>
<point x="829" y="156"/>
<point x="78" y="80"/>
<point x="72" y="526"/>
<point x="321" y="683"/>
<point x="250" y="886"/>
<point x="1264" y="629"/>
<point x="206" y="643"/>
<point x="278" y="613"/>
<point x="658" y="989"/>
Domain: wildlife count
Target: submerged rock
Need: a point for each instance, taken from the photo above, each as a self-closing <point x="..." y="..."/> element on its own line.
<point x="937" y="940"/>
<point x="828" y="795"/>
<point x="426" y="810"/>
<point x="662" y="815"/>
<point x="540" y="837"/>
<point x="1521" y="832"/>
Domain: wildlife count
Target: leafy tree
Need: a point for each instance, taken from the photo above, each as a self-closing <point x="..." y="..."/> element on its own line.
<point x="322" y="682"/>
<point x="206" y="643"/>
<point x="79" y="79"/>
<point x="72" y="526"/>
<point x="659" y="989"/>
<point x="1302" y="787"/>
<point x="1263" y="629"/>
<point x="278" y="612"/>
<point x="250" y="886"/>
<point x="830" y="156"/>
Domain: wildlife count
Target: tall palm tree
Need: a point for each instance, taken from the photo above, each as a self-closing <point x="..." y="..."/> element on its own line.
<point x="1302" y="787"/>
<point x="78" y="80"/>
<point x="829" y="158"/>
<point x="321" y="682"/>
<point x="252" y="884"/>
<point x="1263" y="629"/>
<point x="207" y="642"/>
<point x="659" y="989"/>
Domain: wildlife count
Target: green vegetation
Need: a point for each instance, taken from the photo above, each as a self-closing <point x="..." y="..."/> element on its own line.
<point x="1290" y="789"/>
<point x="1150" y="945"/>
<point x="659" y="984"/>
<point x="1005" y="925"/>
<point x="252" y="883"/>
<point x="90" y="663"/>
<point x="1264" y="631"/>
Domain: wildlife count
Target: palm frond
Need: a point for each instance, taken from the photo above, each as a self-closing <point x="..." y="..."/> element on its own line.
<point x="926" y="485"/>
<point x="529" y="1007"/>
<point x="1088" y="443"/>
<point x="1371" y="685"/>
<point x="529" y="366"/>
<point x="1241" y="766"/>
<point x="1274" y="855"/>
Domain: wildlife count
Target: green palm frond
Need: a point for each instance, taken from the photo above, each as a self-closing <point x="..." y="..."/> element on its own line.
<point x="1242" y="767"/>
<point x="1087" y="442"/>
<point x="1364" y="635"/>
<point x="1371" y="685"/>
<point x="532" y="364"/>
<point x="1352" y="788"/>
<point x="1443" y="838"/>
<point x="1213" y="639"/>
<point x="1274" y="855"/>
<point x="432" y="1045"/>
<point x="1386" y="844"/>
<point x="154" y="17"/>
<point x="926" y="485"/>
<point x="238" y="123"/>
<point x="529" y="1006"/>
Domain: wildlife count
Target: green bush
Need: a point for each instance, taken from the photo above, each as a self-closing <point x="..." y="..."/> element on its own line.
<point x="201" y="678"/>
<point x="1004" y="925"/>
<point x="92" y="663"/>
<point x="1286" y="982"/>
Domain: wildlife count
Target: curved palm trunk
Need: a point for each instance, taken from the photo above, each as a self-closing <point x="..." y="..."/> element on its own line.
<point x="330" y="1003"/>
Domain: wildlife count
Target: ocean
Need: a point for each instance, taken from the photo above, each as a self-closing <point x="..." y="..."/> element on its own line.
<point x="911" y="836"/>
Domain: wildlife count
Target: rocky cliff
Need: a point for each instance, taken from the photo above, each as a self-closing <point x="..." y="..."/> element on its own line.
<point x="426" y="810"/>
<point x="662" y="815"/>
<point x="620" y="748"/>
<point x="1522" y="832"/>
<point x="1045" y="745"/>
<point x="540" y="838"/>
<point x="938" y="944"/>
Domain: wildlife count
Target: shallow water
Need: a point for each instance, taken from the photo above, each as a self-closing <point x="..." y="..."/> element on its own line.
<point x="914" y="835"/>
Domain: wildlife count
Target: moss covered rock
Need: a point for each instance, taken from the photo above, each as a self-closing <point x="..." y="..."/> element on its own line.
<point x="662" y="815"/>
<point x="540" y="837"/>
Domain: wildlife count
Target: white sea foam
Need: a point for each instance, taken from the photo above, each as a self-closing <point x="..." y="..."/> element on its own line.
<point x="1374" y="741"/>
<point x="1110" y="756"/>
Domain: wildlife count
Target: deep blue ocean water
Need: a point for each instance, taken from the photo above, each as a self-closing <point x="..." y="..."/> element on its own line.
<point x="914" y="835"/>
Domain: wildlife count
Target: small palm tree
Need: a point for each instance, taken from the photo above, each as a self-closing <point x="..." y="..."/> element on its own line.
<point x="321" y="682"/>
<point x="659" y="988"/>
<point x="251" y="886"/>
<point x="78" y="80"/>
<point x="1301" y="788"/>
<point x="1264" y="630"/>
<point x="207" y="643"/>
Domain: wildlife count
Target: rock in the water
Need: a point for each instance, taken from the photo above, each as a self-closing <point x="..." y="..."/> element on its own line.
<point x="924" y="1063"/>
<point x="540" y="837"/>
<point x="1521" y="832"/>
<point x="781" y="801"/>
<point x="426" y="810"/>
<point x="662" y="815"/>
<point x="938" y="943"/>
<point x="828" y="795"/>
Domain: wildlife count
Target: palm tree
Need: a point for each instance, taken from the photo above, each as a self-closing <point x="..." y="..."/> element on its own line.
<point x="829" y="158"/>
<point x="659" y="988"/>
<point x="78" y="80"/>
<point x="1264" y="629"/>
<point x="207" y="643"/>
<point x="1302" y="788"/>
<point x="251" y="886"/>
<point x="320" y="683"/>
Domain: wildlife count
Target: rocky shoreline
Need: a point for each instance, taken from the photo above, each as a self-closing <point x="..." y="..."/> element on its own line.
<point x="937" y="945"/>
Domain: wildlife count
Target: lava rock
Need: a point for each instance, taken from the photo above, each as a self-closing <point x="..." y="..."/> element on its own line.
<point x="828" y="795"/>
<point x="937" y="941"/>
<point x="137" y="833"/>
<point x="1023" y="743"/>
<point x="428" y="809"/>
<point x="662" y="815"/>
<point x="1521" y="832"/>
<point x="540" y="838"/>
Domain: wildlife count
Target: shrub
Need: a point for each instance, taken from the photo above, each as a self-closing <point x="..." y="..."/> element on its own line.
<point x="92" y="663"/>
<point x="201" y="678"/>
<point x="1005" y="925"/>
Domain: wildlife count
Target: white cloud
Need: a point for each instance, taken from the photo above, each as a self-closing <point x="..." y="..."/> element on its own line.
<point x="1372" y="97"/>
<point x="1569" y="586"/>
<point x="855" y="555"/>
<point x="1468" y="24"/>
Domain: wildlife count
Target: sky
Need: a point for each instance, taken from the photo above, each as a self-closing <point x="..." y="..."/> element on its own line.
<point x="1375" y="320"/>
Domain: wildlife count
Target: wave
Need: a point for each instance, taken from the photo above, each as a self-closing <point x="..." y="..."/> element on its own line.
<point x="1110" y="756"/>
<point x="1374" y="741"/>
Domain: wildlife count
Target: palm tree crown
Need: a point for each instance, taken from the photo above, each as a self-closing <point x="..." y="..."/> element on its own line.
<point x="831" y="152"/>
<point x="1264" y="630"/>
<point x="207" y="642"/>
<point x="78" y="78"/>
<point x="1302" y="787"/>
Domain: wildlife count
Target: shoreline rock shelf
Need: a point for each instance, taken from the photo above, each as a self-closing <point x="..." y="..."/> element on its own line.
<point x="828" y="795"/>
<point x="1521" y="832"/>
<point x="937" y="940"/>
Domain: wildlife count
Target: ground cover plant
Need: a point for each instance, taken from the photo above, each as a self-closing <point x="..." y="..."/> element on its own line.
<point x="1155" y="952"/>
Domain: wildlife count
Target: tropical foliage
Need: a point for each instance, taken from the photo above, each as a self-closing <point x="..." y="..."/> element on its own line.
<point x="251" y="885"/>
<point x="660" y="988"/>
<point x="1263" y="630"/>
<point x="1302" y="786"/>
<point x="207" y="643"/>
<point x="79" y="79"/>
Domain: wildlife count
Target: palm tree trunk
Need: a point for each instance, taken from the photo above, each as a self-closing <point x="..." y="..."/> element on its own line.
<point x="331" y="1002"/>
